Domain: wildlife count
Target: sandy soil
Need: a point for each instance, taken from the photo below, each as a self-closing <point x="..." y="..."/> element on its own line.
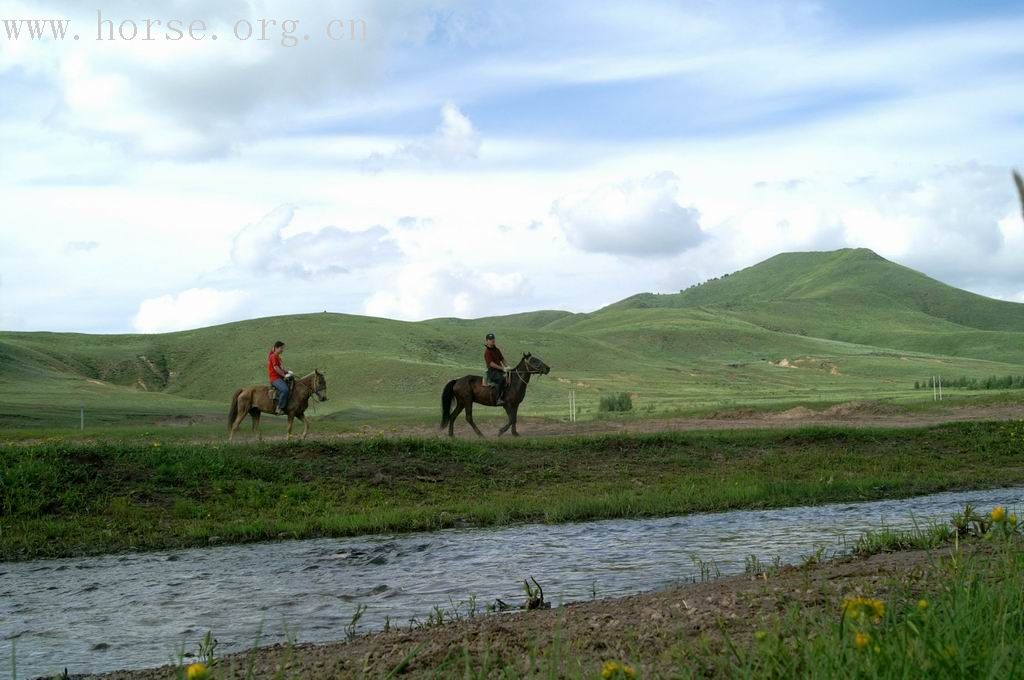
<point x="647" y="629"/>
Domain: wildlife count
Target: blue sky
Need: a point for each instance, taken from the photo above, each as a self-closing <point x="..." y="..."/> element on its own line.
<point x="478" y="158"/>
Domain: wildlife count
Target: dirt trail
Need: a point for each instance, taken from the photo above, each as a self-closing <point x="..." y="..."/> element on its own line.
<point x="640" y="629"/>
<point x="850" y="414"/>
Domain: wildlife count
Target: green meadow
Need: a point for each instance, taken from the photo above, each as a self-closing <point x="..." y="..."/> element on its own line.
<point x="799" y="328"/>
<point x="61" y="498"/>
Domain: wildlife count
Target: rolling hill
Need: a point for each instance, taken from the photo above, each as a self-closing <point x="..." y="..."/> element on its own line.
<point x="798" y="327"/>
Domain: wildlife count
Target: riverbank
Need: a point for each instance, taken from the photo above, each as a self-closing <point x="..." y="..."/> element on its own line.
<point x="949" y="611"/>
<point x="69" y="499"/>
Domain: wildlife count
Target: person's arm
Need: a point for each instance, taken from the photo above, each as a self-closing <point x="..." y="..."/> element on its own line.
<point x="280" y="370"/>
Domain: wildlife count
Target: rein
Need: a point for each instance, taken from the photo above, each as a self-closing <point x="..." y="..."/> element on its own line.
<point x="311" y="388"/>
<point x="529" y="371"/>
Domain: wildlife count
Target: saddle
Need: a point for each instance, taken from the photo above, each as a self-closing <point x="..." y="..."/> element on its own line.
<point x="272" y="391"/>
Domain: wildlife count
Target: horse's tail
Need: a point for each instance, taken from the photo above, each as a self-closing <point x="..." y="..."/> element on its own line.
<point x="446" y="402"/>
<point x="233" y="413"/>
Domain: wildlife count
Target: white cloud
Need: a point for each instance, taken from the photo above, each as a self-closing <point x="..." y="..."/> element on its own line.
<point x="949" y="222"/>
<point x="192" y="99"/>
<point x="634" y="217"/>
<point x="192" y="308"/>
<point x="454" y="140"/>
<point x="80" y="246"/>
<point x="260" y="248"/>
<point x="424" y="291"/>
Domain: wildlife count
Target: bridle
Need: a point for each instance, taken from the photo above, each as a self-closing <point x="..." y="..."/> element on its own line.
<point x="313" y="388"/>
<point x="529" y="370"/>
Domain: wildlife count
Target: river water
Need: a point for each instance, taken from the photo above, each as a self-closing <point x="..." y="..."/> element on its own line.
<point x="135" y="610"/>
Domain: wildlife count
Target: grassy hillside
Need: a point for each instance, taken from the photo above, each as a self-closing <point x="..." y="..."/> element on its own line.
<point x="799" y="327"/>
<point x="856" y="296"/>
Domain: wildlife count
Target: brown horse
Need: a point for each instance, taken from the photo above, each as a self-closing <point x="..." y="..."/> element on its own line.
<point x="471" y="389"/>
<point x="255" y="400"/>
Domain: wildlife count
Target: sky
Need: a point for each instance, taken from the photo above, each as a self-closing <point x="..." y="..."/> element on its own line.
<point x="448" y="158"/>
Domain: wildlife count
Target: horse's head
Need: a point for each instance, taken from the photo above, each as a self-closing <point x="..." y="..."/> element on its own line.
<point x="319" y="385"/>
<point x="535" y="364"/>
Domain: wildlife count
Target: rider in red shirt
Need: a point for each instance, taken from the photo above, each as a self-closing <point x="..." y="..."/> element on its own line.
<point x="279" y="377"/>
<point x="496" y="368"/>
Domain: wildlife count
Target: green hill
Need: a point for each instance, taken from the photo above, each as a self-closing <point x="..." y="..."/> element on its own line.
<point x="857" y="296"/>
<point x="798" y="327"/>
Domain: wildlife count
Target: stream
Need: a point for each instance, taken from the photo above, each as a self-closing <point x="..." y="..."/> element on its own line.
<point x="99" y="614"/>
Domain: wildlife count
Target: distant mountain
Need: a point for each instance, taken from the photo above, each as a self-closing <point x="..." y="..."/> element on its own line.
<point x="851" y="276"/>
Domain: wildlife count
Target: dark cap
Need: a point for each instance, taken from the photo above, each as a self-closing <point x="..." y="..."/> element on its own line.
<point x="489" y="336"/>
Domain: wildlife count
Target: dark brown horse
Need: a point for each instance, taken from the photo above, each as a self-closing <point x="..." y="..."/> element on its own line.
<point x="255" y="400"/>
<point x="471" y="389"/>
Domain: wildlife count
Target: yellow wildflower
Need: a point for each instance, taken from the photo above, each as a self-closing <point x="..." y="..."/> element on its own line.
<point x="760" y="635"/>
<point x="861" y="639"/>
<point x="610" y="669"/>
<point x="999" y="514"/>
<point x="862" y="607"/>
<point x="922" y="604"/>
<point x="615" y="669"/>
<point x="197" y="671"/>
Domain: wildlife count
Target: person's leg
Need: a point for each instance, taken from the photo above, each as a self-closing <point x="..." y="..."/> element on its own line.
<point x="498" y="379"/>
<point x="282" y="394"/>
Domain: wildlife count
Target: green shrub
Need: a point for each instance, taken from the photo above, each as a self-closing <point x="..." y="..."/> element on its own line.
<point x="617" y="402"/>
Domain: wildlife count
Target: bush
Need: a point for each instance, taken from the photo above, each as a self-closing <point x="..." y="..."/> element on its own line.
<point x="618" y="402"/>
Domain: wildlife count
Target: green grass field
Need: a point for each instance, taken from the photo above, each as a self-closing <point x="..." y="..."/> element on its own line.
<point x="69" y="498"/>
<point x="813" y="328"/>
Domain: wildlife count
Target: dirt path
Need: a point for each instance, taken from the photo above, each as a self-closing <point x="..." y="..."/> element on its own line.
<point x="647" y="629"/>
<point x="851" y="414"/>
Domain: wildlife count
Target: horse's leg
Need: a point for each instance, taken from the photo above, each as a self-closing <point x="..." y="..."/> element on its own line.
<point x="469" y="419"/>
<point x="242" y="413"/>
<point x="255" y="415"/>
<point x="451" y="421"/>
<point x="305" y="424"/>
<point x="508" y="412"/>
<point x="514" y="417"/>
<point x="291" y="421"/>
